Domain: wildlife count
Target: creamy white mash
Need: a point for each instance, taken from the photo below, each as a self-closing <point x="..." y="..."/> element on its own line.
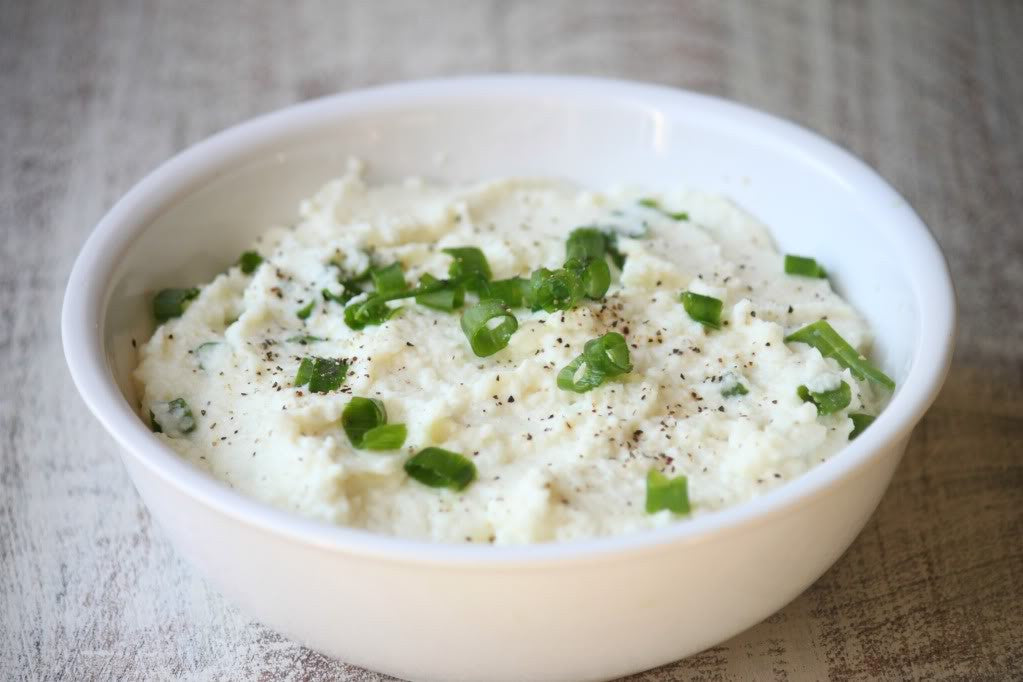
<point x="551" y="464"/>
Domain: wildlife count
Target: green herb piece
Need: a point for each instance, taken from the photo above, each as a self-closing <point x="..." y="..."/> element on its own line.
<point x="173" y="418"/>
<point x="323" y="375"/>
<point x="374" y="310"/>
<point x="249" y="261"/>
<point x="171" y="303"/>
<point x="734" y="390"/>
<point x="364" y="421"/>
<point x="469" y="266"/>
<point x="513" y="292"/>
<point x="596" y="279"/>
<point x="860" y="423"/>
<point x="202" y="351"/>
<point x="825" y="339"/>
<point x="602" y="358"/>
<point x="617" y="257"/>
<point x="389" y="280"/>
<point x="450" y="296"/>
<point x="704" y="309"/>
<point x="827" y="402"/>
<point x="341" y="298"/>
<point x="489" y="326"/>
<point x="586" y="244"/>
<point x="655" y="205"/>
<point x="666" y="493"/>
<point x="439" y="468"/>
<point x="554" y="290"/>
<point x="805" y="267"/>
<point x="305" y="311"/>
<point x="304" y="339"/>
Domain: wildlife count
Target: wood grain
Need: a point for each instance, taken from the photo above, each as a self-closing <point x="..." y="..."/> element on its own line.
<point x="93" y="94"/>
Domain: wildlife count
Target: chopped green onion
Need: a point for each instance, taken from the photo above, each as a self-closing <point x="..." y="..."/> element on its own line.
<point x="249" y="261"/>
<point x="341" y="298"/>
<point x="585" y="244"/>
<point x="602" y="358"/>
<point x="704" y="309"/>
<point x="374" y="310"/>
<point x="322" y="374"/>
<point x="171" y="303"/>
<point x="364" y="421"/>
<point x="596" y="279"/>
<point x="860" y="423"/>
<point x="439" y="468"/>
<point x="202" y="350"/>
<point x="386" y="437"/>
<point x="617" y="257"/>
<point x="173" y="418"/>
<point x="805" y="267"/>
<point x="655" y="205"/>
<point x="489" y="326"/>
<point x="469" y="266"/>
<point x="304" y="339"/>
<point x="389" y="280"/>
<point x="666" y="493"/>
<point x="827" y="402"/>
<point x="555" y="289"/>
<point x="450" y="296"/>
<point x="825" y="339"/>
<point x="734" y="390"/>
<point x="305" y="311"/>
<point x="513" y="292"/>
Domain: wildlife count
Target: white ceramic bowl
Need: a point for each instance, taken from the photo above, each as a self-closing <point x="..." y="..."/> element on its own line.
<point x="580" y="610"/>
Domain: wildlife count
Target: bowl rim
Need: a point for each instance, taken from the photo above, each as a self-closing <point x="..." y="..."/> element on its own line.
<point x="86" y="299"/>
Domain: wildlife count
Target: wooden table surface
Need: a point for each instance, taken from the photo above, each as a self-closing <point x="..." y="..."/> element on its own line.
<point x="95" y="94"/>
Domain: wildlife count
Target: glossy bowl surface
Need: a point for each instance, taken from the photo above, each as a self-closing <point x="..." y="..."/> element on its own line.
<point x="582" y="610"/>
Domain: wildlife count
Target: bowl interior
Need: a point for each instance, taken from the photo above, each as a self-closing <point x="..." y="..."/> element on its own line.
<point x="199" y="211"/>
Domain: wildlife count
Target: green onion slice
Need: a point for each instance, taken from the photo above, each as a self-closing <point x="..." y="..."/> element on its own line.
<point x="825" y="339"/>
<point x="450" y="296"/>
<point x="827" y="402"/>
<point x="374" y="310"/>
<point x="305" y="311"/>
<point x="304" y="339"/>
<point x="323" y="375"/>
<point x="342" y="298"/>
<point x="364" y="421"/>
<point x="389" y="280"/>
<point x="385" y="437"/>
<point x="203" y="350"/>
<point x="513" y="292"/>
<point x="666" y="493"/>
<point x="860" y="423"/>
<point x="704" y="309"/>
<point x="602" y="358"/>
<point x="734" y="390"/>
<point x="170" y="303"/>
<point x="655" y="205"/>
<point x="489" y="326"/>
<point x="249" y="261"/>
<point x="554" y="290"/>
<point x="469" y="266"/>
<point x="439" y="468"/>
<point x="173" y="418"/>
<point x="586" y="244"/>
<point x="805" y="267"/>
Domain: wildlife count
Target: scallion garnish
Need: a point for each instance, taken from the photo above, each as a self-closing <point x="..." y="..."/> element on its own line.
<point x="805" y="267"/>
<point x="586" y="244"/>
<point x="734" y="390"/>
<point x="489" y="326"/>
<point x="440" y="468"/>
<point x="860" y="423"/>
<point x="655" y="205"/>
<point x="321" y="374"/>
<point x="554" y="290"/>
<point x="704" y="309"/>
<point x="305" y="311"/>
<point x="602" y="358"/>
<point x="666" y="493"/>
<point x="827" y="402"/>
<point x="450" y="296"/>
<point x="513" y="292"/>
<point x="304" y="339"/>
<point x="173" y="418"/>
<point x="203" y="350"/>
<point x="249" y="261"/>
<point x="825" y="339"/>
<point x="374" y="310"/>
<point x="341" y="298"/>
<point x="469" y="266"/>
<point x="171" y="303"/>
<point x="364" y="421"/>
<point x="389" y="280"/>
